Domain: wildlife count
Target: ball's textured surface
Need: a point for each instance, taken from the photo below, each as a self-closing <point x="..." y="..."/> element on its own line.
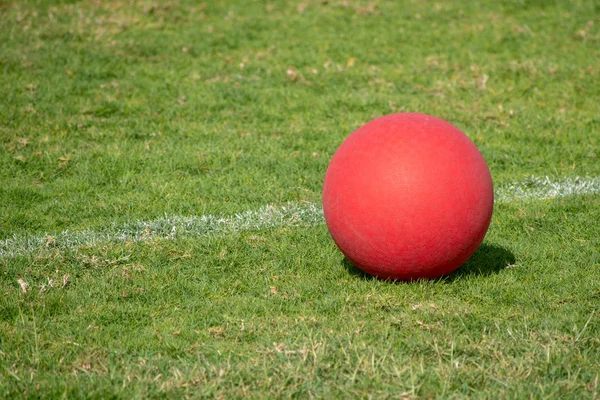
<point x="408" y="196"/>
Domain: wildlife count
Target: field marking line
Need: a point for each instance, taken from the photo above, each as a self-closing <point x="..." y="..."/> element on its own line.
<point x="168" y="227"/>
<point x="536" y="188"/>
<point x="266" y="217"/>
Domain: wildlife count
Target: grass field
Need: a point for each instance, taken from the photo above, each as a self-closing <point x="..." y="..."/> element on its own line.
<point x="160" y="224"/>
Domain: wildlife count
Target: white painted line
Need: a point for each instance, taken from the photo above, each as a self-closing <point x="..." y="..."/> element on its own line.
<point x="169" y="227"/>
<point x="544" y="188"/>
<point x="292" y="214"/>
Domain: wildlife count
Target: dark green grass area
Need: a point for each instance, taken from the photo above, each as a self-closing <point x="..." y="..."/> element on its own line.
<point x="117" y="111"/>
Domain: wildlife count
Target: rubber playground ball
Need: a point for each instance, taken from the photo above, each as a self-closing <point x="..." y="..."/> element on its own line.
<point x="408" y="196"/>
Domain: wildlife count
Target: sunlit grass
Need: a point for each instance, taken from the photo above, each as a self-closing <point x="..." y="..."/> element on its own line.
<point x="112" y="113"/>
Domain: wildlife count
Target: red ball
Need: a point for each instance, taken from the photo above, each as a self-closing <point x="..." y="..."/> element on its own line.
<point x="408" y="196"/>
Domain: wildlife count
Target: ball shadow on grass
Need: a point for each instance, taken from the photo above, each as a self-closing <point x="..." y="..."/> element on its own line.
<point x="488" y="259"/>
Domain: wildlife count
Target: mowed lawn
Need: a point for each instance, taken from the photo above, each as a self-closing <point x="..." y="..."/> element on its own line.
<point x="117" y="112"/>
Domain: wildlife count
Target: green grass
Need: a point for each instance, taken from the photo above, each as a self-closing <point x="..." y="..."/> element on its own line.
<point x="121" y="111"/>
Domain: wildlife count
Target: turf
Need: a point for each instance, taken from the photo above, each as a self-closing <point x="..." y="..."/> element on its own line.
<point x="114" y="112"/>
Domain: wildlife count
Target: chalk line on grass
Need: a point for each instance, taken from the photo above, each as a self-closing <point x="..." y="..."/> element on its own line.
<point x="170" y="227"/>
<point x="544" y="188"/>
<point x="292" y="214"/>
